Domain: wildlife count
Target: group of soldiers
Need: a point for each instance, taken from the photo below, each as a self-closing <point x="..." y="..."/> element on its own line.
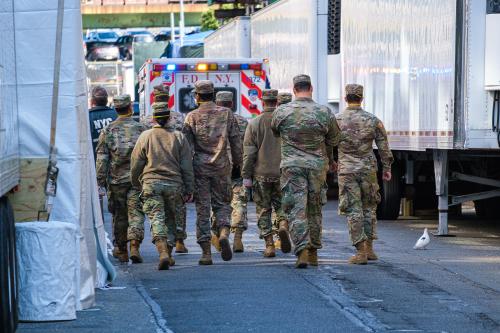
<point x="216" y="158"/>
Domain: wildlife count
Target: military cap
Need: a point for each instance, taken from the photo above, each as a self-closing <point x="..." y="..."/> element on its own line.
<point x="302" y="78"/>
<point x="204" y="87"/>
<point x="284" y="97"/>
<point x="224" y="96"/>
<point x="160" y="109"/>
<point x="121" y="101"/>
<point x="269" y="95"/>
<point x="354" y="89"/>
<point x="161" y="93"/>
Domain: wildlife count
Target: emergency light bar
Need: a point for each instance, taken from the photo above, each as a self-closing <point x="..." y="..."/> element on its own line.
<point x="202" y="67"/>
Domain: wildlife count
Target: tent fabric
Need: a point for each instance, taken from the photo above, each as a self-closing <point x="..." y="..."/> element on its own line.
<point x="48" y="280"/>
<point x="76" y="201"/>
<point x="189" y="40"/>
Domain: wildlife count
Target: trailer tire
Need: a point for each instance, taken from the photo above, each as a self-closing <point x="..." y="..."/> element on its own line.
<point x="488" y="208"/>
<point x="390" y="194"/>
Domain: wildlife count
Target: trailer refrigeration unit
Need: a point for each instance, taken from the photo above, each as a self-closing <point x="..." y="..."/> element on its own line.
<point x="430" y="71"/>
<point x="232" y="40"/>
<point x="245" y="78"/>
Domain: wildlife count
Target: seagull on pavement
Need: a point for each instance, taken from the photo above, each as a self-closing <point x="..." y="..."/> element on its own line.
<point x="423" y="241"/>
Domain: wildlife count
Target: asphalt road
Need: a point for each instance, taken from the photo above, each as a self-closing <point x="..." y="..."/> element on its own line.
<point x="453" y="286"/>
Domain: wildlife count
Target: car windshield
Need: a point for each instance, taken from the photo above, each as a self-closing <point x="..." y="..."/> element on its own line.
<point x="143" y="38"/>
<point x="108" y="35"/>
<point x="140" y="32"/>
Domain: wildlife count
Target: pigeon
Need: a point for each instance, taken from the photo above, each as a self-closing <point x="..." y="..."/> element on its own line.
<point x="423" y="241"/>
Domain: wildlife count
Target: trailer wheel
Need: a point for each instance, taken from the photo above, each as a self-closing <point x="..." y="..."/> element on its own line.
<point x="488" y="208"/>
<point x="390" y="193"/>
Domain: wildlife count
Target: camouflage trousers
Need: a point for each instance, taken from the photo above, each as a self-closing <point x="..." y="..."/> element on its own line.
<point x="358" y="199"/>
<point x="125" y="205"/>
<point x="239" y="204"/>
<point x="267" y="196"/>
<point x="301" y="190"/>
<point x="180" y="218"/>
<point x="161" y="201"/>
<point x="212" y="194"/>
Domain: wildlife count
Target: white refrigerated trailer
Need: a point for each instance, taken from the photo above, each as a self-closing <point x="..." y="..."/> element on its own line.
<point x="431" y="73"/>
<point x="232" y="40"/>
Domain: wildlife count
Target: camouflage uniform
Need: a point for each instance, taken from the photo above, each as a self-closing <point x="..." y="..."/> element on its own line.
<point x="175" y="122"/>
<point x="209" y="129"/>
<point x="162" y="163"/>
<point x="261" y="162"/>
<point x="357" y="169"/>
<point x="308" y="134"/>
<point x="284" y="98"/>
<point x="114" y="148"/>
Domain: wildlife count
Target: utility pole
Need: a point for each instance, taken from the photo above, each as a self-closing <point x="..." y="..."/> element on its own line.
<point x="181" y="22"/>
<point x="172" y="26"/>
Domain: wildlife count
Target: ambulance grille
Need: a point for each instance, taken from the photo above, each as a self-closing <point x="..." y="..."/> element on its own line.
<point x="334" y="26"/>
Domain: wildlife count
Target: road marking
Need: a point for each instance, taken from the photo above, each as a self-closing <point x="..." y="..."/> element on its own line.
<point x="160" y="321"/>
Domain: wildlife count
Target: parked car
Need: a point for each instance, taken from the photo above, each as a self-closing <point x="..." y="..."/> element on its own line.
<point x="163" y="36"/>
<point x="124" y="43"/>
<point x="102" y="36"/>
<point x="102" y="51"/>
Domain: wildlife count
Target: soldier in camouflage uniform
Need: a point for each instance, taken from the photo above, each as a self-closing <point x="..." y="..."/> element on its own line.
<point x="175" y="122"/>
<point x="162" y="165"/>
<point x="239" y="201"/>
<point x="261" y="163"/>
<point x="210" y="129"/>
<point x="114" y="148"/>
<point x="308" y="132"/>
<point x="357" y="170"/>
<point x="284" y="98"/>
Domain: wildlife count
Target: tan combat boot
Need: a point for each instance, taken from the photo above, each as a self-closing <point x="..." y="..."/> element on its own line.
<point x="313" y="257"/>
<point x="237" y="243"/>
<point x="215" y="242"/>
<point x="370" y="254"/>
<point x="123" y="253"/>
<point x="162" y="247"/>
<point x="225" y="246"/>
<point x="180" y="247"/>
<point x="206" y="257"/>
<point x="360" y="257"/>
<point x="302" y="259"/>
<point x="286" y="244"/>
<point x="171" y="260"/>
<point x="270" y="251"/>
<point x="135" y="255"/>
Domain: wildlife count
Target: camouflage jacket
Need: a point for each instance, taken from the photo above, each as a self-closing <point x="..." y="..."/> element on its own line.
<point x="114" y="148"/>
<point x="176" y="121"/>
<point x="261" y="149"/>
<point x="242" y="125"/>
<point x="308" y="132"/>
<point x="358" y="131"/>
<point x="162" y="154"/>
<point x="210" y="129"/>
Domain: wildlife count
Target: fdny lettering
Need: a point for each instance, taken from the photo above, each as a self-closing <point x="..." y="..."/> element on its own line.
<point x="224" y="78"/>
<point x="189" y="78"/>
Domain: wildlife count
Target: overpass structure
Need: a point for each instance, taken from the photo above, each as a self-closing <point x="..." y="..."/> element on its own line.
<point x="139" y="13"/>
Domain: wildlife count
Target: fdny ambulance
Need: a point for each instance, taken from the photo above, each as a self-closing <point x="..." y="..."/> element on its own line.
<point x="245" y="78"/>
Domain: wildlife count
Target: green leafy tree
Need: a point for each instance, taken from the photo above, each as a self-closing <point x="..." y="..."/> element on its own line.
<point x="208" y="21"/>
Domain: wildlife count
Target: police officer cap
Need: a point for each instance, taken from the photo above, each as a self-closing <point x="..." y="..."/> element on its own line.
<point x="354" y="89"/>
<point x="302" y="78"/>
<point x="224" y="96"/>
<point x="270" y="95"/>
<point x="161" y="93"/>
<point x="204" y="87"/>
<point x="284" y="97"/>
<point x="121" y="101"/>
<point x="99" y="92"/>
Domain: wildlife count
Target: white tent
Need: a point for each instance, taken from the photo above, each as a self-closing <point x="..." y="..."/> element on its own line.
<point x="76" y="201"/>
